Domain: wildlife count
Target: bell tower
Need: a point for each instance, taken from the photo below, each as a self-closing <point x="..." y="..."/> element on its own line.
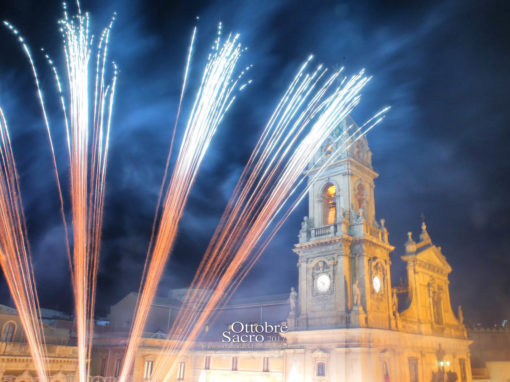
<point x="343" y="252"/>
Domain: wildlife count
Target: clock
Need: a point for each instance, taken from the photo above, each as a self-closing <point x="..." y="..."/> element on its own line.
<point x="376" y="283"/>
<point x="323" y="282"/>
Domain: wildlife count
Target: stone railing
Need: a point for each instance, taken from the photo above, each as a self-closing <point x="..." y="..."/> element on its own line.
<point x="350" y="224"/>
<point x="328" y="230"/>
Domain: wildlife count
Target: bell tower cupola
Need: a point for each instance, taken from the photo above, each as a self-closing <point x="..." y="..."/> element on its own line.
<point x="346" y="185"/>
<point x="344" y="277"/>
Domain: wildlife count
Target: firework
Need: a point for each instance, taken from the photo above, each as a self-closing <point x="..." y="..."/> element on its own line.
<point x="306" y="116"/>
<point x="87" y="119"/>
<point x="269" y="189"/>
<point x="15" y="258"/>
<point x="215" y="95"/>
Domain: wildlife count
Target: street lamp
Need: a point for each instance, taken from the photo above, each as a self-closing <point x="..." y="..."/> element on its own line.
<point x="441" y="364"/>
<point x="442" y="375"/>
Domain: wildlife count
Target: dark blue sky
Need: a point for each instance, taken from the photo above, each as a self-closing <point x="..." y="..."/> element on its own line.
<point x="444" y="67"/>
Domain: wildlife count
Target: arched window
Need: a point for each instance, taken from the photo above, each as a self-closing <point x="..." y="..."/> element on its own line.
<point x="8" y="332"/>
<point x="437" y="307"/>
<point x="329" y="204"/>
<point x="321" y="369"/>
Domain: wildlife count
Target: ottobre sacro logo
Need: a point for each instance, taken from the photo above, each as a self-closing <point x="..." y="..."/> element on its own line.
<point x="239" y="332"/>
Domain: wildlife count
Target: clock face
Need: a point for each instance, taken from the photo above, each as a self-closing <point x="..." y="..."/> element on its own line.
<point x="376" y="282"/>
<point x="323" y="282"/>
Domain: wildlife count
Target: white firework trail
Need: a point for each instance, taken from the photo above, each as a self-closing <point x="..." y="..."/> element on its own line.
<point x="213" y="99"/>
<point x="87" y="120"/>
<point x="303" y="120"/>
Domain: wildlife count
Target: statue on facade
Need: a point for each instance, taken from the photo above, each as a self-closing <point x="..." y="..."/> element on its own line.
<point x="293" y="301"/>
<point x="356" y="294"/>
<point x="303" y="232"/>
<point x="460" y="314"/>
<point x="394" y="300"/>
<point x="304" y="224"/>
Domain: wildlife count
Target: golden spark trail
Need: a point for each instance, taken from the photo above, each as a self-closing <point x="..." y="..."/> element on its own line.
<point x="88" y="120"/>
<point x="267" y="183"/>
<point x="213" y="99"/>
<point x="15" y="258"/>
<point x="344" y="142"/>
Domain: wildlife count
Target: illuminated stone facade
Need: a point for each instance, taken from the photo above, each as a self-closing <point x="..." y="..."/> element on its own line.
<point x="15" y="361"/>
<point x="350" y="323"/>
<point x="346" y="321"/>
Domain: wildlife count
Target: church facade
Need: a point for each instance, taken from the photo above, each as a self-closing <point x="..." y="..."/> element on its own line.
<point x="344" y="322"/>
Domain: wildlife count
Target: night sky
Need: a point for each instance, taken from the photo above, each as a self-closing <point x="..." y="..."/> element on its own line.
<point x="442" y="152"/>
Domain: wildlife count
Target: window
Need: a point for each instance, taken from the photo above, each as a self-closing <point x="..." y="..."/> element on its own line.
<point x="437" y="307"/>
<point x="413" y="369"/>
<point x="147" y="372"/>
<point x="180" y="371"/>
<point x="321" y="369"/>
<point x="329" y="204"/>
<point x="265" y="364"/>
<point x="8" y="332"/>
<point x="207" y="362"/>
<point x="234" y="363"/>
<point x="463" y="375"/>
<point x="117" y="367"/>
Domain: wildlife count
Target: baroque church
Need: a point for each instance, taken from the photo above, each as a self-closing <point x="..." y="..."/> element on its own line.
<point x="345" y="321"/>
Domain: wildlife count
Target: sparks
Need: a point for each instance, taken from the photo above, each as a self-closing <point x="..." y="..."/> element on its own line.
<point x="15" y="258"/>
<point x="214" y="97"/>
<point x="87" y="120"/>
<point x="309" y="111"/>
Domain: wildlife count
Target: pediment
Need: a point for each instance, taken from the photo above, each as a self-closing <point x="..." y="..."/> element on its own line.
<point x="430" y="257"/>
